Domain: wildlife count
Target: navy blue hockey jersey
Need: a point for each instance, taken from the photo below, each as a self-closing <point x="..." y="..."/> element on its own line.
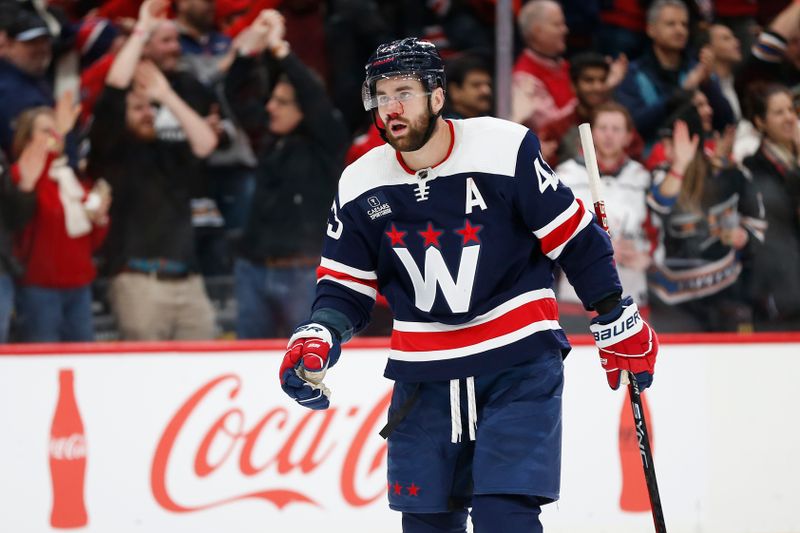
<point x="463" y="252"/>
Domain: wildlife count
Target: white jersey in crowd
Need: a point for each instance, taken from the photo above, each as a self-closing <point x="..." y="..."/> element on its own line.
<point x="624" y="193"/>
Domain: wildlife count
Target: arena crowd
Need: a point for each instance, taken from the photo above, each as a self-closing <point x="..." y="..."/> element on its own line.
<point x="167" y="167"/>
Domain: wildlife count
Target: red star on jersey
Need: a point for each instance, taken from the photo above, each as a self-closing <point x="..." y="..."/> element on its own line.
<point x="398" y="488"/>
<point x="396" y="236"/>
<point x="431" y="236"/>
<point x="469" y="232"/>
<point x="413" y="490"/>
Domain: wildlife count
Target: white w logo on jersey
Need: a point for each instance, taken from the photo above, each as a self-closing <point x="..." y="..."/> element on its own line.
<point x="457" y="293"/>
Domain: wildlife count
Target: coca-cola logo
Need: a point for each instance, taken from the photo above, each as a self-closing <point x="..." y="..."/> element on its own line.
<point x="68" y="448"/>
<point x="282" y="455"/>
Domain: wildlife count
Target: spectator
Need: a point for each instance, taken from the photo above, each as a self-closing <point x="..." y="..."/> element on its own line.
<point x="163" y="48"/>
<point x="726" y="49"/>
<point x="776" y="172"/>
<point x="775" y="57"/>
<point x="296" y="182"/>
<point x="155" y="292"/>
<point x="716" y="147"/>
<point x="593" y="79"/>
<point x="664" y="77"/>
<point x="205" y="50"/>
<point x="69" y="224"/>
<point x="541" y="92"/>
<point x="23" y="69"/>
<point x="727" y="54"/>
<point x="16" y="208"/>
<point x="712" y="222"/>
<point x="625" y="186"/>
<point x="207" y="54"/>
<point x="740" y="17"/>
<point x="469" y="87"/>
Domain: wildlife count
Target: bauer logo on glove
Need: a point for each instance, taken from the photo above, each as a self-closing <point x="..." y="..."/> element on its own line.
<point x="628" y="326"/>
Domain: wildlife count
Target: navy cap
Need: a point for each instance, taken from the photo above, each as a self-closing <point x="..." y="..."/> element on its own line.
<point x="28" y="27"/>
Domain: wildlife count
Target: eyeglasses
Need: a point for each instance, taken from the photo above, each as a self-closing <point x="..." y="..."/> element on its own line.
<point x="382" y="100"/>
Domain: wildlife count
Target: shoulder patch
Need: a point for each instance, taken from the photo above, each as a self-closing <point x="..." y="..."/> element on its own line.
<point x="375" y="205"/>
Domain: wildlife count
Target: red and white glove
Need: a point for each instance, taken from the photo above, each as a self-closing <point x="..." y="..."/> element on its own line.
<point x="626" y="343"/>
<point x="312" y="349"/>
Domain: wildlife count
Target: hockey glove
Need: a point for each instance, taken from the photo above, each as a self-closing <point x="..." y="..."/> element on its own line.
<point x="312" y="349"/>
<point x="626" y="343"/>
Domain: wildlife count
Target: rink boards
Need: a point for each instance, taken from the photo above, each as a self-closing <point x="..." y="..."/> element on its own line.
<point x="199" y="438"/>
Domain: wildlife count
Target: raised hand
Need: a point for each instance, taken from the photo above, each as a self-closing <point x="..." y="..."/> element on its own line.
<point x="724" y="146"/>
<point x="150" y="80"/>
<point x="276" y="25"/>
<point x="684" y="147"/>
<point x="701" y="71"/>
<point x="33" y="158"/>
<point x="151" y="12"/>
<point x="66" y="112"/>
<point x="627" y="255"/>
<point x="617" y="69"/>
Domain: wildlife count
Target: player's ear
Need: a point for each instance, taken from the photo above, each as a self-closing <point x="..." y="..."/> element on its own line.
<point x="437" y="99"/>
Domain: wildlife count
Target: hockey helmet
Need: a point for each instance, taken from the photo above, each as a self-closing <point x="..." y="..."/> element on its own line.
<point x="411" y="57"/>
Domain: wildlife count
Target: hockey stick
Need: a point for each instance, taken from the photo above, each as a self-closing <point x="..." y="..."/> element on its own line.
<point x="639" y="421"/>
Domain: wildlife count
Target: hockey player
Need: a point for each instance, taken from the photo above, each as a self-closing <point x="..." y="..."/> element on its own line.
<point x="459" y="224"/>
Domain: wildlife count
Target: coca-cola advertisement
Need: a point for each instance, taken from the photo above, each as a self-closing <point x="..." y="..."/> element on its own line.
<point x="67" y="457"/>
<point x="199" y="438"/>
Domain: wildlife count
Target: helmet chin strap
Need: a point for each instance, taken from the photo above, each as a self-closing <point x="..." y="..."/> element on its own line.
<point x="432" y="117"/>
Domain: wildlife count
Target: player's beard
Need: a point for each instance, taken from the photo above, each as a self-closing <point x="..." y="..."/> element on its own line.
<point x="416" y="136"/>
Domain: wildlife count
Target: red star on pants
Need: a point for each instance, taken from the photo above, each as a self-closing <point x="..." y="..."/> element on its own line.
<point x="469" y="232"/>
<point x="396" y="236"/>
<point x="398" y="488"/>
<point x="413" y="490"/>
<point x="430" y="235"/>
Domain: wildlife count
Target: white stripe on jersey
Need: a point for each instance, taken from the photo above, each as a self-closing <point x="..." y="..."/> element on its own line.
<point x="352" y="285"/>
<point x="490" y="344"/>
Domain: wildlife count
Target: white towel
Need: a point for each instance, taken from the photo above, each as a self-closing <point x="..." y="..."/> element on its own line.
<point x="71" y="193"/>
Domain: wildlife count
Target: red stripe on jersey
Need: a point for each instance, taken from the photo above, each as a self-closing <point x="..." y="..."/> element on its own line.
<point x="322" y="271"/>
<point x="415" y="341"/>
<point x="562" y="233"/>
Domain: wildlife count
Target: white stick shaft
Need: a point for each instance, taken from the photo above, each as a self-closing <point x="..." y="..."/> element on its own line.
<point x="590" y="157"/>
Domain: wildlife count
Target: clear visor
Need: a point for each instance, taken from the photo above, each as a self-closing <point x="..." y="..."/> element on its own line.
<point x="373" y="96"/>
